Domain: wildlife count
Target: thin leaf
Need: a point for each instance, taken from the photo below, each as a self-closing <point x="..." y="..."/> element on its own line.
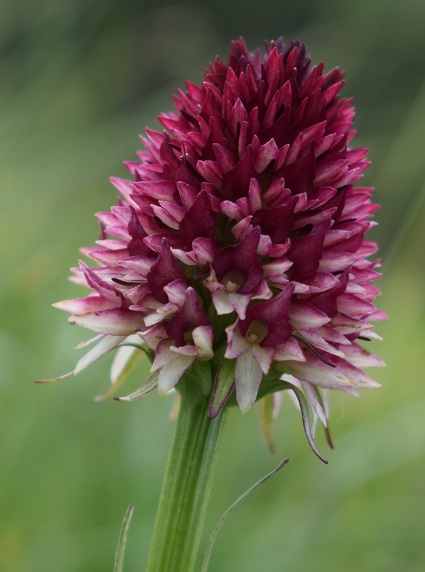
<point x="224" y="385"/>
<point x="147" y="387"/>
<point x="119" y="554"/>
<point x="232" y="507"/>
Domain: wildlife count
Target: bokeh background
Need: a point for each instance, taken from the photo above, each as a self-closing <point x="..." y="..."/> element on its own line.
<point x="79" y="81"/>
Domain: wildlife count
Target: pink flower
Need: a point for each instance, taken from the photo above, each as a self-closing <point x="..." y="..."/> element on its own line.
<point x="240" y="240"/>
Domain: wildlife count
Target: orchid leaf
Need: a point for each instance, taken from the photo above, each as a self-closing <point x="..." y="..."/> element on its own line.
<point x="119" y="554"/>
<point x="235" y="505"/>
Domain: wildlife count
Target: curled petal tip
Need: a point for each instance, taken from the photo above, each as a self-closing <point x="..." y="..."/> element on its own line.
<point x="55" y="379"/>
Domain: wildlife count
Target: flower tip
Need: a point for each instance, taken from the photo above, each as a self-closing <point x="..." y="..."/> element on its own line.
<point x="244" y="407"/>
<point x="163" y="391"/>
<point x="282" y="463"/>
<point x="54" y="379"/>
<point x="99" y="398"/>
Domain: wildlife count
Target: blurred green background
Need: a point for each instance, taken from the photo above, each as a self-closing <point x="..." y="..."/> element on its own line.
<point x="79" y="81"/>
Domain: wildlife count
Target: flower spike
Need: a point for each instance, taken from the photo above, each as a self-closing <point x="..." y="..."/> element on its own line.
<point x="239" y="243"/>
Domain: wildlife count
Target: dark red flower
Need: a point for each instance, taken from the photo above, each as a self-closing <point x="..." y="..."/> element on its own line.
<point x="244" y="207"/>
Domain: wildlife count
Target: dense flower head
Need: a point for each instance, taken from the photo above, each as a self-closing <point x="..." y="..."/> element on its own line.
<point x="239" y="245"/>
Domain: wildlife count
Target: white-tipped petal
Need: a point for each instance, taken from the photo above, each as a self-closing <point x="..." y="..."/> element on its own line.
<point x="313" y="402"/>
<point x="319" y="373"/>
<point x="290" y="350"/>
<point x="115" y="322"/>
<point x="172" y="371"/>
<point x="236" y="344"/>
<point x="203" y="337"/>
<point x="264" y="357"/>
<point x="248" y="376"/>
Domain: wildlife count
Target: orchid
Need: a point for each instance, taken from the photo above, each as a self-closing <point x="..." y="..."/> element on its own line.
<point x="239" y="243"/>
<point x="243" y="226"/>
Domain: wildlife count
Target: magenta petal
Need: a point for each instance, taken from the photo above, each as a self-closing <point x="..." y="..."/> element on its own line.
<point x="243" y="219"/>
<point x="277" y="221"/>
<point x="236" y="181"/>
<point x="306" y="252"/>
<point x="92" y="303"/>
<point x="305" y="316"/>
<point x="315" y="371"/>
<point x="189" y="316"/>
<point x="198" y="221"/>
<point x="274" y="313"/>
<point x="241" y="259"/>
<point x="136" y="246"/>
<point x="300" y="175"/>
<point x="163" y="271"/>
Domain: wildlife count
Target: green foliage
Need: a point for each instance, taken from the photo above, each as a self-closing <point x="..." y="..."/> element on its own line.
<point x="122" y="541"/>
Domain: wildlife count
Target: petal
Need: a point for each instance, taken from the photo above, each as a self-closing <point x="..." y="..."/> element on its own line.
<point x="91" y="303"/>
<point x="290" y="350"/>
<point x="239" y="303"/>
<point x="274" y="313"/>
<point x="222" y="302"/>
<point x="163" y="271"/>
<point x="313" y="338"/>
<point x="315" y="406"/>
<point x="241" y="259"/>
<point x="114" y="322"/>
<point x="203" y="337"/>
<point x="360" y="357"/>
<point x="163" y="355"/>
<point x="305" y="316"/>
<point x="358" y="379"/>
<point x="236" y="343"/>
<point x="313" y="370"/>
<point x="248" y="377"/>
<point x="172" y="371"/>
<point x="189" y="316"/>
<point x="189" y="350"/>
<point x="264" y="357"/>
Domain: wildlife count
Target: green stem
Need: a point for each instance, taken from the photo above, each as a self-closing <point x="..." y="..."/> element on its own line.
<point x="186" y="490"/>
